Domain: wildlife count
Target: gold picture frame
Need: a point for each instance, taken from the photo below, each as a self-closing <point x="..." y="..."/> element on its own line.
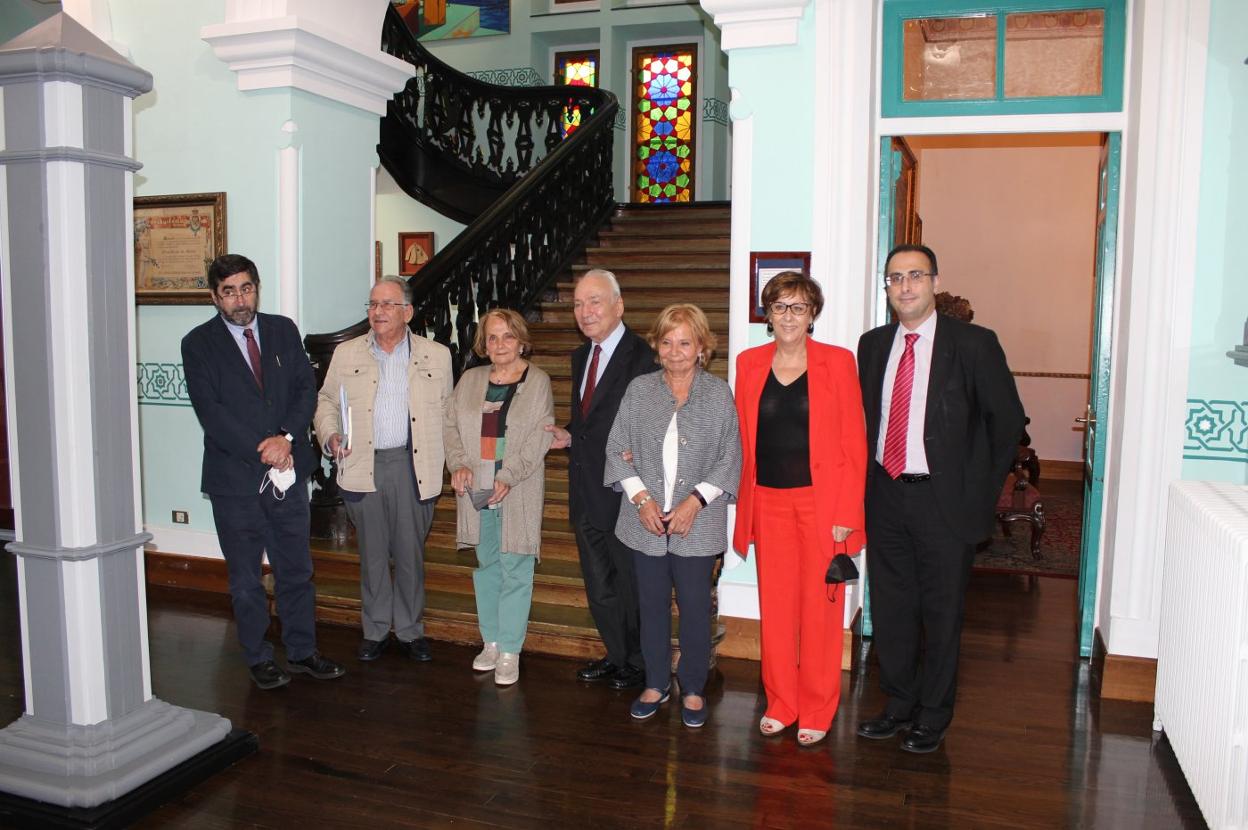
<point x="175" y="239"/>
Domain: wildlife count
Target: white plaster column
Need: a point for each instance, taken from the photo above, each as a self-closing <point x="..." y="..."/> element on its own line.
<point x="1161" y="166"/>
<point x="288" y="200"/>
<point x="331" y="49"/>
<point x="845" y="184"/>
<point x="91" y="732"/>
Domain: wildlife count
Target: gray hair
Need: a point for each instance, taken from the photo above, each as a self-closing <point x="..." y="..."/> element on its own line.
<point x="402" y="283"/>
<point x="603" y="273"/>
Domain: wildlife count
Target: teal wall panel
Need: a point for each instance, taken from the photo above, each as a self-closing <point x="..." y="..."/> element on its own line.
<point x="196" y="132"/>
<point x="1215" y="445"/>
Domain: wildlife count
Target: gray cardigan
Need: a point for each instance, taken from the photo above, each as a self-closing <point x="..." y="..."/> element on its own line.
<point x="709" y="450"/>
<point x="524" y="467"/>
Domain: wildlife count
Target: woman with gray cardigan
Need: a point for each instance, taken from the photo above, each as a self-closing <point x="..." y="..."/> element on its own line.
<point x="675" y="452"/>
<point x="496" y="444"/>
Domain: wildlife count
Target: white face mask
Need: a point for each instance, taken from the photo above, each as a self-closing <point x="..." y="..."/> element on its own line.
<point x="280" y="479"/>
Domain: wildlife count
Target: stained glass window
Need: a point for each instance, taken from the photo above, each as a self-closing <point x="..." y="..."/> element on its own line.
<point x="575" y="69"/>
<point x="664" y="98"/>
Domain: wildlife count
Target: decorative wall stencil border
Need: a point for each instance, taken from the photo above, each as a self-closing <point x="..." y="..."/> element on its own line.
<point x="516" y="76"/>
<point x="1216" y="431"/>
<point x="621" y="120"/>
<point x="715" y="111"/>
<point x="162" y="384"/>
<point x="1072" y="375"/>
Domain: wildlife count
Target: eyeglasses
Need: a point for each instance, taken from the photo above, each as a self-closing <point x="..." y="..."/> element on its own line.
<point x="384" y="305"/>
<point x="778" y="309"/>
<point x="244" y="290"/>
<point x="897" y="277"/>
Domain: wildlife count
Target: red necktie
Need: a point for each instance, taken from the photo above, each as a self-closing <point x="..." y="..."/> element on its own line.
<point x="253" y="355"/>
<point x="591" y="380"/>
<point x="899" y="412"/>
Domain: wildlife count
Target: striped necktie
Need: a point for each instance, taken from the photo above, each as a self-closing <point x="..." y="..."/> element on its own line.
<point x="899" y="412"/>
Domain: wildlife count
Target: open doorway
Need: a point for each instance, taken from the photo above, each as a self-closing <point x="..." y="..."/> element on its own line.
<point x="1020" y="225"/>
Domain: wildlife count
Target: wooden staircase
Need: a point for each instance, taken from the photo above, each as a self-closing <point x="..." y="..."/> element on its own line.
<point x="661" y="254"/>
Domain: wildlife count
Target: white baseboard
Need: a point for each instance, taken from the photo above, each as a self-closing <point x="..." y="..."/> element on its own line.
<point x="184" y="542"/>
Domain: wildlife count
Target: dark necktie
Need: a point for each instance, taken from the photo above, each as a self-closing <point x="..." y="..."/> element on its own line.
<point x="899" y="412"/>
<point x="591" y="380"/>
<point x="253" y="355"/>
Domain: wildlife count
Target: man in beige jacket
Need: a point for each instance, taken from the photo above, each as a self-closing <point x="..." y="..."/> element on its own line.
<point x="390" y="471"/>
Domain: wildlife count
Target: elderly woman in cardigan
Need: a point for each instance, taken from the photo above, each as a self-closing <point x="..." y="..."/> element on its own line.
<point x="675" y="452"/>
<point x="495" y="448"/>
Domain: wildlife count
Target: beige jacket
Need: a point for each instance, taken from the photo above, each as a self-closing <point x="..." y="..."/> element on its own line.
<point x="524" y="465"/>
<point x="428" y="386"/>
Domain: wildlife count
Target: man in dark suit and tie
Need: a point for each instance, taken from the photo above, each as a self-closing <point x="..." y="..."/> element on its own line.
<point x="252" y="387"/>
<point x="943" y="425"/>
<point x="601" y="370"/>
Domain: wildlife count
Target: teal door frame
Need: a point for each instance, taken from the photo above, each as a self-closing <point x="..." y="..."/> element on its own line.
<point x="1106" y="257"/>
<point x="1097" y="415"/>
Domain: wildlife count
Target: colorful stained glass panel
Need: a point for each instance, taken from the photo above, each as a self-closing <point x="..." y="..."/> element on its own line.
<point x="664" y="95"/>
<point x="575" y="69"/>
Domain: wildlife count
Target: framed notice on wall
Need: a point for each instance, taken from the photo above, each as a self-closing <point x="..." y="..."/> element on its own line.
<point x="764" y="266"/>
<point x="175" y="239"/>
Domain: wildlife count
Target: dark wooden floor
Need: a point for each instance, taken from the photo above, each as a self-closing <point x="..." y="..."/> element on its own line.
<point x="395" y="744"/>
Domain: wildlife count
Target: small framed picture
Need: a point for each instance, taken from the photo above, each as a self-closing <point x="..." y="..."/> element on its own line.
<point x="764" y="266"/>
<point x="175" y="239"/>
<point x="415" y="249"/>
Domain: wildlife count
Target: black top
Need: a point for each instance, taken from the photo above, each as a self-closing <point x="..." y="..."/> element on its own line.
<point x="783" y="444"/>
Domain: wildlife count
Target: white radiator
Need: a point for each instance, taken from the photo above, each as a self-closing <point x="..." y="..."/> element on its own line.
<point x="1202" y="656"/>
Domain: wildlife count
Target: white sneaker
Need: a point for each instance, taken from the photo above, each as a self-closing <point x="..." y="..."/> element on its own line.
<point x="487" y="659"/>
<point x="508" y="670"/>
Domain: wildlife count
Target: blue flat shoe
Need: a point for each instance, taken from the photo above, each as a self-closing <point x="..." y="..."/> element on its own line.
<point x="642" y="710"/>
<point x="693" y="718"/>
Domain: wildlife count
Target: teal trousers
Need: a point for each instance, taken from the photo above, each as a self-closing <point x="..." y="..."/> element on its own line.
<point x="504" y="587"/>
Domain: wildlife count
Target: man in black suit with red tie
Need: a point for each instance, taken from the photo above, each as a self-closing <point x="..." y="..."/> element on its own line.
<point x="602" y="368"/>
<point x="253" y="390"/>
<point x="943" y="425"/>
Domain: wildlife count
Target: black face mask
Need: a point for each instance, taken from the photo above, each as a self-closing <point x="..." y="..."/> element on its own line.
<point x="841" y="569"/>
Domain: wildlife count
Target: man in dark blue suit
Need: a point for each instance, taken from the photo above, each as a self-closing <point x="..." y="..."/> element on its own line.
<point x="252" y="387"/>
<point x="602" y="368"/>
<point x="943" y="425"/>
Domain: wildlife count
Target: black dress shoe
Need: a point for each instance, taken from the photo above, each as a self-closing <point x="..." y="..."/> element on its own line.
<point x="268" y="675"/>
<point x="322" y="668"/>
<point x="371" y="649"/>
<point x="418" y="650"/>
<point x="885" y="726"/>
<point x="628" y="678"/>
<point x="923" y="739"/>
<point x="598" y="670"/>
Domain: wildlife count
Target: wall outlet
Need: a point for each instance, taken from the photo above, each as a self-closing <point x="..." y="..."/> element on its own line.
<point x="181" y="517"/>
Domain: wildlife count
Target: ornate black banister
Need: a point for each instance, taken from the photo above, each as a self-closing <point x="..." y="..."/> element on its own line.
<point x="466" y="135"/>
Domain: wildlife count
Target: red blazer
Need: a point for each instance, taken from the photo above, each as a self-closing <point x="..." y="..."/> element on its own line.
<point x="838" y="441"/>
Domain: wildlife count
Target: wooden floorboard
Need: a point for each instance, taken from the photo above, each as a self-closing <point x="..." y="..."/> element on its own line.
<point x="399" y="744"/>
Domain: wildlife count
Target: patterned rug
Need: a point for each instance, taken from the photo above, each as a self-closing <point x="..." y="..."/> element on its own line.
<point x="1059" y="546"/>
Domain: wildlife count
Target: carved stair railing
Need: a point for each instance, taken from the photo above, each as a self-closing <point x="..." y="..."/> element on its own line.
<point x="555" y="194"/>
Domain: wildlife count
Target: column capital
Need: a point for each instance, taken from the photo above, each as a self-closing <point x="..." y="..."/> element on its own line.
<point x="327" y="49"/>
<point x="62" y="49"/>
<point x="749" y="23"/>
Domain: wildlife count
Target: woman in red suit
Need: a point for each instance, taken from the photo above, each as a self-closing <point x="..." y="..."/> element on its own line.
<point x="803" y="472"/>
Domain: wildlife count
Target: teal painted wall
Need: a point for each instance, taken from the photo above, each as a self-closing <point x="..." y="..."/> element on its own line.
<point x="196" y="132"/>
<point x="1215" y="446"/>
<point x="782" y="201"/>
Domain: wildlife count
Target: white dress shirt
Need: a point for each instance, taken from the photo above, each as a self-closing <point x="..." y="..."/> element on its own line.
<point x="916" y="454"/>
<point x="241" y="339"/>
<point x="671" y="448"/>
<point x="607" y="345"/>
